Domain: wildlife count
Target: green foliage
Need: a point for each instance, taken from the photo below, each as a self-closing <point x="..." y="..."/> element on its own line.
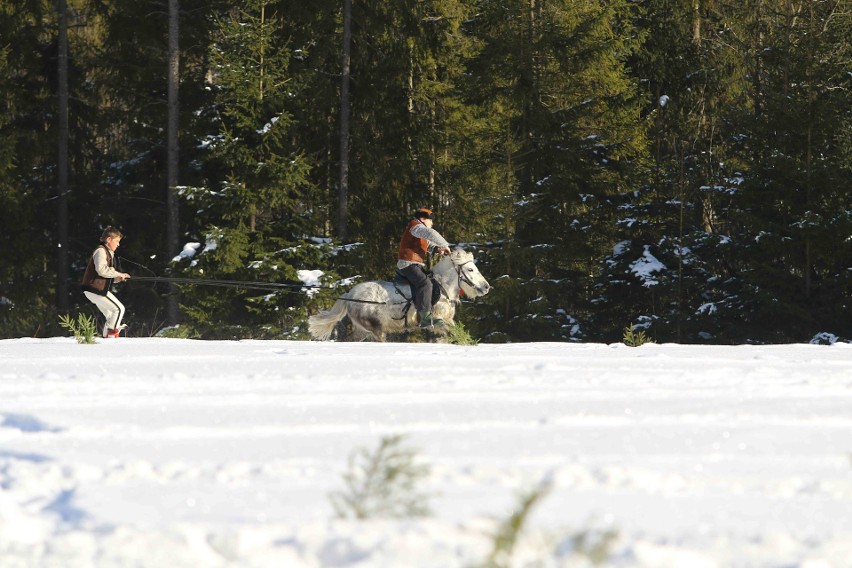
<point x="178" y="332"/>
<point x="7" y="146"/>
<point x="27" y="156"/>
<point x="248" y="313"/>
<point x="572" y="138"/>
<point x="383" y="483"/>
<point x="634" y="338"/>
<point x="510" y="529"/>
<point x="594" y="547"/>
<point x="459" y="335"/>
<point x="266" y="175"/>
<point x="34" y="321"/>
<point x="544" y="134"/>
<point x="521" y="306"/>
<point x="588" y="546"/>
<point x="83" y="328"/>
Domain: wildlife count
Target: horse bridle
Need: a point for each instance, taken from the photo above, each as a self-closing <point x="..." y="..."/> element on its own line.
<point x="462" y="276"/>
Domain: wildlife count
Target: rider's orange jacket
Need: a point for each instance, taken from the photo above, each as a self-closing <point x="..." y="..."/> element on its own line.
<point x="412" y="248"/>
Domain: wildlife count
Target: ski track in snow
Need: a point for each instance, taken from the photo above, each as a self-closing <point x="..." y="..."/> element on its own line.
<point x="156" y="452"/>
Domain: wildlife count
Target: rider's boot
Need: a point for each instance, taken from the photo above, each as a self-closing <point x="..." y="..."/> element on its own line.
<point x="428" y="320"/>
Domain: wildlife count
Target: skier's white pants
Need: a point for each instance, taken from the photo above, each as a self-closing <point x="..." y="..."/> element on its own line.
<point x="110" y="307"/>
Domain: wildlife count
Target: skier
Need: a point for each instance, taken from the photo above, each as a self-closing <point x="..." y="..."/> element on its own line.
<point x="98" y="278"/>
<point x="417" y="239"/>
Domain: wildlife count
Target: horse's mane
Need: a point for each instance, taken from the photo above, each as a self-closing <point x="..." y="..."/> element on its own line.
<point x="456" y="257"/>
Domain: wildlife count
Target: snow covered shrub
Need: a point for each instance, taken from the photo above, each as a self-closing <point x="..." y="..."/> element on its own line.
<point x="824" y="338"/>
<point x="383" y="484"/>
<point x="83" y="327"/>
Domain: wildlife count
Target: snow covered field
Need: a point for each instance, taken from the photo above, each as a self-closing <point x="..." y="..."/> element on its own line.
<point x="179" y="453"/>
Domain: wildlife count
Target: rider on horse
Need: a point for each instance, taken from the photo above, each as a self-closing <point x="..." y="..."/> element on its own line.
<point x="417" y="239"/>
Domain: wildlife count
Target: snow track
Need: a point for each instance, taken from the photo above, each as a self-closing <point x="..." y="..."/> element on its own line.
<point x="156" y="452"/>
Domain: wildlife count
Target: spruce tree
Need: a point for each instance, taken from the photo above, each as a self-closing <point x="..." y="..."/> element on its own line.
<point x="28" y="153"/>
<point x="792" y="213"/>
<point x="250" y="217"/>
<point x="556" y="76"/>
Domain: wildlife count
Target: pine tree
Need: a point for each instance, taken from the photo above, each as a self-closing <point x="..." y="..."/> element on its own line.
<point x="793" y="210"/>
<point x="249" y="218"/>
<point x="571" y="140"/>
<point x="684" y="216"/>
<point x="266" y="173"/>
<point x="28" y="152"/>
<point x="574" y="146"/>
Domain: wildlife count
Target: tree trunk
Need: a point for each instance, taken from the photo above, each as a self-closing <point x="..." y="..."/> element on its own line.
<point x="172" y="162"/>
<point x="62" y="164"/>
<point x="696" y="23"/>
<point x="262" y="45"/>
<point x="260" y="93"/>
<point x="343" y="190"/>
<point x="809" y="140"/>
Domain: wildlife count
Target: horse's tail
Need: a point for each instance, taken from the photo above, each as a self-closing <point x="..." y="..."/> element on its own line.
<point x="321" y="325"/>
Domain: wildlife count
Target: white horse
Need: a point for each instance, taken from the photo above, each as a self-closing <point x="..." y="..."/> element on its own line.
<point x="377" y="307"/>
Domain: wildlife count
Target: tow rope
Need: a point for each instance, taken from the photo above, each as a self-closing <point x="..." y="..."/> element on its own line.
<point x="268" y="286"/>
<point x="223" y="283"/>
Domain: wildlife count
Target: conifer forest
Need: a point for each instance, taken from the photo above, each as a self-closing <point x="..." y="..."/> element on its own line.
<point x="680" y="167"/>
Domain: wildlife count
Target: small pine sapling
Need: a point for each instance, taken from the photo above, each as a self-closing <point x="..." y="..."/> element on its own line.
<point x="458" y="335"/>
<point x="510" y="529"/>
<point x="383" y="484"/>
<point x="83" y="327"/>
<point x="633" y="338"/>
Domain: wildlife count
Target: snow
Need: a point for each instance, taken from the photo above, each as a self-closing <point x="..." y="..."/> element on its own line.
<point x="211" y="243"/>
<point x="709" y="308"/>
<point x="189" y="250"/>
<point x="167" y="452"/>
<point x="311" y="279"/>
<point x="268" y="126"/>
<point x="621" y="248"/>
<point x="645" y="267"/>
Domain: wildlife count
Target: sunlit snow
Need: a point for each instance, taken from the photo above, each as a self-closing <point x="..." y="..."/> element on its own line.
<point x="152" y="452"/>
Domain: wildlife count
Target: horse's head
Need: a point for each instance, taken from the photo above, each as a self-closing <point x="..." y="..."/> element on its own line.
<point x="472" y="282"/>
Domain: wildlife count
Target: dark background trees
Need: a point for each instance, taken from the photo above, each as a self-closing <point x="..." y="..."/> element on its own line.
<point x="680" y="165"/>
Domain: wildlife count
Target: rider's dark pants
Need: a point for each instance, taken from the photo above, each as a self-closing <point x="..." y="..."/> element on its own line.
<point x="421" y="287"/>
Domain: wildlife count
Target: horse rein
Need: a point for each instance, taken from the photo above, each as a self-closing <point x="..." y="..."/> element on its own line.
<point x="463" y="277"/>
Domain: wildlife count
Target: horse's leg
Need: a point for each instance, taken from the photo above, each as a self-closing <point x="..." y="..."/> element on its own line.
<point x="358" y="334"/>
<point x="366" y="322"/>
<point x="372" y="321"/>
<point x="342" y="329"/>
